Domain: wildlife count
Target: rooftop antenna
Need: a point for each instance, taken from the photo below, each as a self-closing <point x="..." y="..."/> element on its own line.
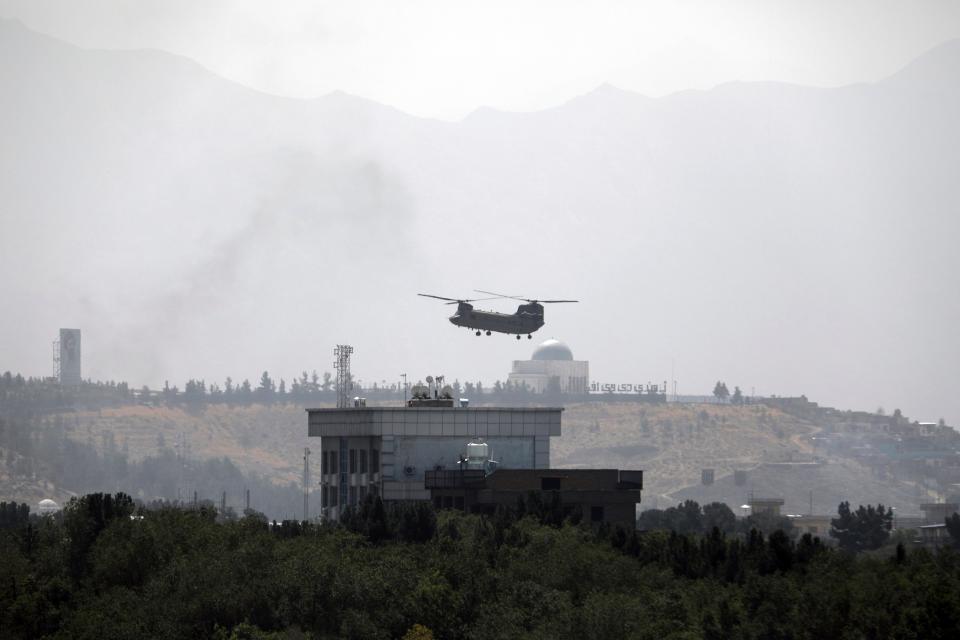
<point x="56" y="360"/>
<point x="306" y="484"/>
<point x="342" y="364"/>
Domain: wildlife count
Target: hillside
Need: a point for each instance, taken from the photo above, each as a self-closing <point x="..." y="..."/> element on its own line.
<point x="671" y="443"/>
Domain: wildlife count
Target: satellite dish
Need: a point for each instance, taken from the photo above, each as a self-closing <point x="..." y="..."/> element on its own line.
<point x="429" y="379"/>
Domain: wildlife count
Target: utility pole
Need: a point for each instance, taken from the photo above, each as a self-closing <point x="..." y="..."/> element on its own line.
<point x="404" y="376"/>
<point x="306" y="484"/>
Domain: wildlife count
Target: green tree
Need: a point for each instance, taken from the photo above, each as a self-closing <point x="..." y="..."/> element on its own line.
<point x="737" y="396"/>
<point x="720" y="390"/>
<point x="266" y="389"/>
<point x="719" y="515"/>
<point x="864" y="529"/>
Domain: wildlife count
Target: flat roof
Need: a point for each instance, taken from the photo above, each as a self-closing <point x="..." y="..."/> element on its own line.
<point x="435" y="421"/>
<point x="425" y="408"/>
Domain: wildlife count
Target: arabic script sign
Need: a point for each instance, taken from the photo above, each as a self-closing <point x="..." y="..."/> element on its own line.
<point x="605" y="387"/>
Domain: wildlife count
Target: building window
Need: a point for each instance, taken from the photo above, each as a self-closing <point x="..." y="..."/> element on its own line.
<point x="353" y="496"/>
<point x="353" y="461"/>
<point x="324" y="467"/>
<point x="374" y="490"/>
<point x="363" y="460"/>
<point x="332" y="462"/>
<point x="363" y="493"/>
<point x="374" y="461"/>
<point x="458" y="502"/>
<point x="596" y="514"/>
<point x="550" y="484"/>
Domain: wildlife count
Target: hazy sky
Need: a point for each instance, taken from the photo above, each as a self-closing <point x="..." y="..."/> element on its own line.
<point x="443" y="59"/>
<point x="780" y="238"/>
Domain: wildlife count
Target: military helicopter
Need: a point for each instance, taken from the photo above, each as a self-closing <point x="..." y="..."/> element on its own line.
<point x="527" y="319"/>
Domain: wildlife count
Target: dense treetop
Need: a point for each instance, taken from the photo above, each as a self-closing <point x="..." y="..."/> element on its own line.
<point x="107" y="568"/>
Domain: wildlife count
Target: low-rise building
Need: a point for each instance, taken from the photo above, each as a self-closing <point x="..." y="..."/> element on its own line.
<point x="551" y="368"/>
<point x="601" y="495"/>
<point x="815" y="525"/>
<point x="937" y="512"/>
<point x="765" y="505"/>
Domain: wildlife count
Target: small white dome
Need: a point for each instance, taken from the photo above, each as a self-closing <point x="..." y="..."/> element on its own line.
<point x="552" y="349"/>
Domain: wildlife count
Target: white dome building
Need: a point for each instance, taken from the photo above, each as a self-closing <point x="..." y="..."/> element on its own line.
<point x="552" y="368"/>
<point x="47" y="506"/>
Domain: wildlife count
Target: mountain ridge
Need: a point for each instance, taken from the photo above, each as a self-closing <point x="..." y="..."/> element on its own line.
<point x="935" y="56"/>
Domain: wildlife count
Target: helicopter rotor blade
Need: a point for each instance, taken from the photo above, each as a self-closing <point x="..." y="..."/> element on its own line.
<point x="501" y="295"/>
<point x="428" y="295"/>
<point x="453" y="300"/>
<point x="522" y="299"/>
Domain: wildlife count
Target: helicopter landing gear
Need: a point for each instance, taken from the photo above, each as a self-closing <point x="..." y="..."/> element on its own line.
<point x="488" y="333"/>
<point x="529" y="337"/>
<point x="478" y="333"/>
<point x="518" y="336"/>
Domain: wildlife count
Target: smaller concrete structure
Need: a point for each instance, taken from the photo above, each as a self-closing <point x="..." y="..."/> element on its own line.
<point x="766" y="505"/>
<point x="937" y="512"/>
<point x="602" y="495"/>
<point x="68" y="358"/>
<point x="815" y="525"/>
<point x="934" y="535"/>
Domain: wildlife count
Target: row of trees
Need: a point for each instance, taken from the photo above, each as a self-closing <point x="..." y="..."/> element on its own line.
<point x="307" y="387"/>
<point x="20" y="395"/>
<point x="864" y="529"/>
<point x="721" y="392"/>
<point x="44" y="394"/>
<point x="108" y="568"/>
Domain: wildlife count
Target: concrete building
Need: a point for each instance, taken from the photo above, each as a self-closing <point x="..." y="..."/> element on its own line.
<point x="601" y="495"/>
<point x="69" y="357"/>
<point x="552" y="367"/>
<point x="937" y="512"/>
<point x="816" y="525"/>
<point x="386" y="450"/>
<point x="765" y="505"/>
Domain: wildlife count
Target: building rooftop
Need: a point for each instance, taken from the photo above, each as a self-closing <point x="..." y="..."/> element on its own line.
<point x="435" y="421"/>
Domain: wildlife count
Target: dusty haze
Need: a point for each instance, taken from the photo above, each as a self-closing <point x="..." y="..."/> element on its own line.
<point x="784" y="238"/>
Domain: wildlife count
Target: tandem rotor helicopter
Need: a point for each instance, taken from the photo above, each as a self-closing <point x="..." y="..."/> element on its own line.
<point x="527" y="319"/>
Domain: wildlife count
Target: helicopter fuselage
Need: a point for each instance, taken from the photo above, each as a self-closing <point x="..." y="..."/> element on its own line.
<point x="527" y="319"/>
